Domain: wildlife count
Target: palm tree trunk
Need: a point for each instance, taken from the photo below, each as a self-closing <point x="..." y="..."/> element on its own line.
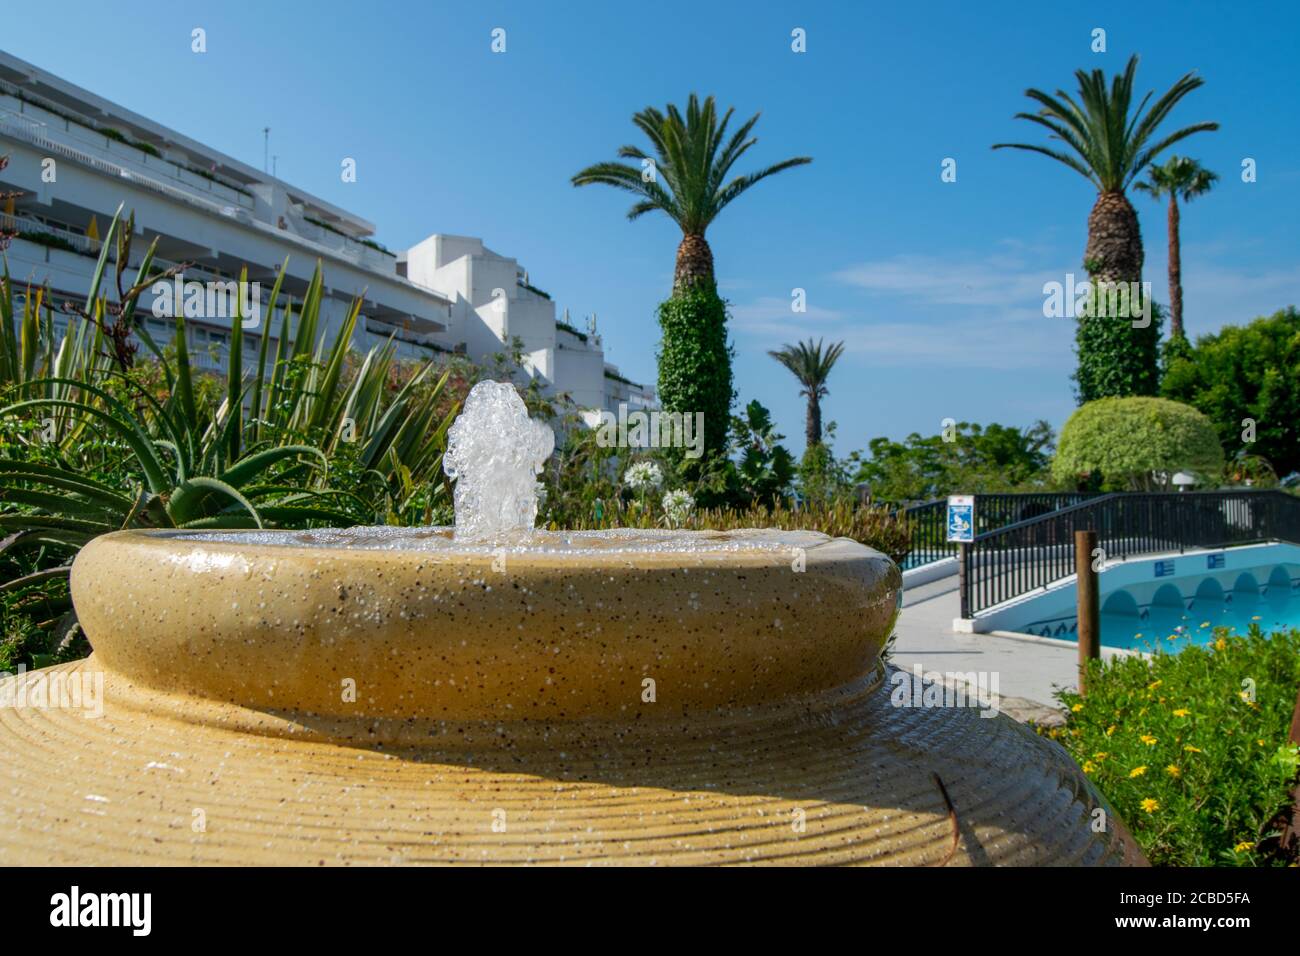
<point x="1114" y="251"/>
<point x="1118" y="354"/>
<point x="813" y="422"/>
<point x="694" y="264"/>
<point x="1175" y="272"/>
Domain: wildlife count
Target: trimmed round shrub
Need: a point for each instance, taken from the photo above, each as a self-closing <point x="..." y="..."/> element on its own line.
<point x="1136" y="444"/>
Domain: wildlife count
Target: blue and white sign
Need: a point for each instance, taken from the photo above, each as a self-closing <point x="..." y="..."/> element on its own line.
<point x="1164" y="569"/>
<point x="961" y="518"/>
<point x="1213" y="561"/>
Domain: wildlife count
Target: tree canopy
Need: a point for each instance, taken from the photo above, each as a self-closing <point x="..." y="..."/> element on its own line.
<point x="1246" y="379"/>
<point x="976" y="459"/>
<point x="1137" y="444"/>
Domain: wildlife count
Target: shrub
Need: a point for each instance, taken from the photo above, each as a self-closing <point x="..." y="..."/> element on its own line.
<point x="1192" y="748"/>
<point x="695" y="362"/>
<point x="1136" y="443"/>
<point x="1115" y="358"/>
<point x="1251" y="372"/>
<point x="879" y="528"/>
<point x="764" y="467"/>
<point x="966" y="458"/>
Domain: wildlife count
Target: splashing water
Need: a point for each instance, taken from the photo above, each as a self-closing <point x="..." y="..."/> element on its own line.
<point x="495" y="452"/>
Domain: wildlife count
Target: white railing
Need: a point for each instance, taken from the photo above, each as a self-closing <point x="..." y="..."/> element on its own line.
<point x="91" y="247"/>
<point x="370" y="260"/>
<point x="12" y="124"/>
<point x="186" y="176"/>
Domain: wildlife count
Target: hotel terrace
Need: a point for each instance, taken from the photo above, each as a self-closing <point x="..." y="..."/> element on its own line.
<point x="218" y="215"/>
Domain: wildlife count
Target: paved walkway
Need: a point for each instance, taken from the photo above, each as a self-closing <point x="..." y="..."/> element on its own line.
<point x="1028" y="669"/>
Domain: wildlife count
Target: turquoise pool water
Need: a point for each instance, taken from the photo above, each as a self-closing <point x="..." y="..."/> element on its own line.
<point x="1278" y="610"/>
<point x="1145" y="604"/>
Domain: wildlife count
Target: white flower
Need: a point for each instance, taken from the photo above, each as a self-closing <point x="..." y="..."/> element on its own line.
<point x="677" y="505"/>
<point x="643" y="475"/>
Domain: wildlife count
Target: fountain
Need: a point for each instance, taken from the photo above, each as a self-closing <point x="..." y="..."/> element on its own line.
<point x="504" y="695"/>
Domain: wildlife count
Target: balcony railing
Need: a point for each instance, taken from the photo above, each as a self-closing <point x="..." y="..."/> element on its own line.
<point x="90" y="248"/>
<point x="40" y="115"/>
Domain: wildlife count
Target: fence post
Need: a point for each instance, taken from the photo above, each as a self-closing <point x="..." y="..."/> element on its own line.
<point x="1089" y="601"/>
<point x="963" y="580"/>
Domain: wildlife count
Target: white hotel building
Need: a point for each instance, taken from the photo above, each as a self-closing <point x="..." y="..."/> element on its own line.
<point x="445" y="294"/>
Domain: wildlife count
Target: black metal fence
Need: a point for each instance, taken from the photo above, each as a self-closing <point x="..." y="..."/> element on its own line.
<point x="1013" y="560"/>
<point x="929" y="519"/>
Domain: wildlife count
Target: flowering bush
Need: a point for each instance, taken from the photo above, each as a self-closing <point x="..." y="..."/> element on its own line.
<point x="643" y="476"/>
<point x="677" y="505"/>
<point x="1192" y="748"/>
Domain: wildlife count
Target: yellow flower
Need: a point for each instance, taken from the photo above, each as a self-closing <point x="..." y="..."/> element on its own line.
<point x="1205" y="624"/>
<point x="1154" y="684"/>
<point x="1244" y="695"/>
<point x="1150" y="805"/>
<point x="1243" y="846"/>
<point x="1192" y="750"/>
<point x="1220" y="644"/>
<point x="1173" y="771"/>
<point x="1089" y="766"/>
<point x="1137" y="772"/>
<point x="1260" y="742"/>
<point x="1149" y="740"/>
<point x="1076" y="708"/>
<point x="1181" y="712"/>
<point x="1100" y="755"/>
<point x="1110" y="730"/>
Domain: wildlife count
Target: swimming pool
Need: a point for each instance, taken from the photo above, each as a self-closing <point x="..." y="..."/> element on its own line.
<point x="1146" y="602"/>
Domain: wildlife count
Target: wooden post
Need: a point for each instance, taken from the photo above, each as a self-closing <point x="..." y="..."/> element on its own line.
<point x="1089" y="611"/>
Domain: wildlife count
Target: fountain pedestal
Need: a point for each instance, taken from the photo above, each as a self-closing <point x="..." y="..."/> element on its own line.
<point x="395" y="696"/>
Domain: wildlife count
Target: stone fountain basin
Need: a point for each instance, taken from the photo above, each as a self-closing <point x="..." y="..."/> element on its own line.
<point x="634" y="625"/>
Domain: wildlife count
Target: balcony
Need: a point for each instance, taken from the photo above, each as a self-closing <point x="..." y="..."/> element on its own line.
<point x="21" y="113"/>
<point x="429" y="340"/>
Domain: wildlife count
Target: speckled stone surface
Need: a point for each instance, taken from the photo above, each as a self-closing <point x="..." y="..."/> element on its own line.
<point x="624" y="707"/>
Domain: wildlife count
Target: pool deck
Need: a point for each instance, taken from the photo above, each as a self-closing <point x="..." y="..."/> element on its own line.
<point x="1029" y="669"/>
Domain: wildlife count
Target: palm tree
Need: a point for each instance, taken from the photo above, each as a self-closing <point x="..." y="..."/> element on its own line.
<point x="812" y="367"/>
<point x="1181" y="178"/>
<point x="685" y="176"/>
<point x="1110" y="143"/>
<point x="1110" y="149"/>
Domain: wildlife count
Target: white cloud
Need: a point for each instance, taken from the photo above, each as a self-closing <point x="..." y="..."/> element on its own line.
<point x="986" y="312"/>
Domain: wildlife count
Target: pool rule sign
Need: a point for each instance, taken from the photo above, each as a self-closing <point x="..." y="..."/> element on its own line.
<point x="961" y="518"/>
<point x="961" y="530"/>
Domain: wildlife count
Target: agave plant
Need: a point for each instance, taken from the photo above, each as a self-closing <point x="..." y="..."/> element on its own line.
<point x="305" y="438"/>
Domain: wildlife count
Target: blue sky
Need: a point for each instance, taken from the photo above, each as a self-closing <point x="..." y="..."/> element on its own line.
<point x="935" y="287"/>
